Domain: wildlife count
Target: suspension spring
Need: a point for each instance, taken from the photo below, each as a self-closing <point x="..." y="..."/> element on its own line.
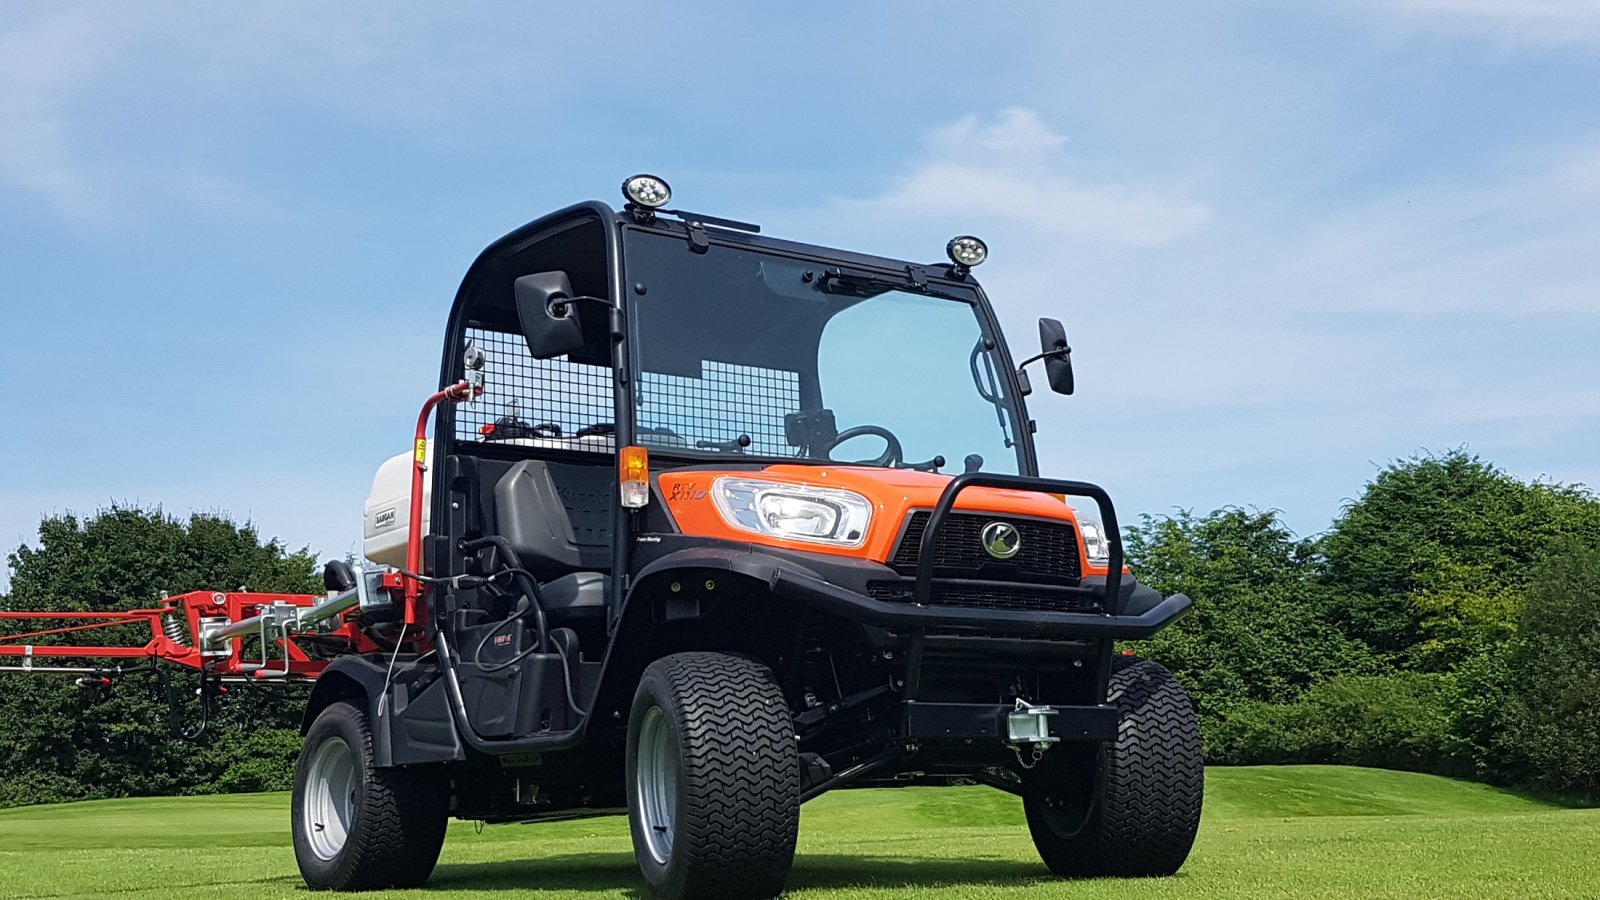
<point x="175" y="630"/>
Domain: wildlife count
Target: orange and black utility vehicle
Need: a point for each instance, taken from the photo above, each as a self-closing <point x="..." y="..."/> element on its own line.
<point x="700" y="525"/>
<point x="724" y="522"/>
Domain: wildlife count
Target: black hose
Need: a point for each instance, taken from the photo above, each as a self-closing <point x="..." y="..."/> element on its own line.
<point x="175" y="708"/>
<point x="531" y="592"/>
<point x="524" y="578"/>
<point x="566" y="680"/>
<point x="477" y="652"/>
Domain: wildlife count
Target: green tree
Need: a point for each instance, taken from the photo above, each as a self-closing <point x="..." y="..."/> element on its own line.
<point x="1255" y="633"/>
<point x="1426" y="565"/>
<point x="125" y="558"/>
<point x="1550" y="725"/>
<point x="58" y="742"/>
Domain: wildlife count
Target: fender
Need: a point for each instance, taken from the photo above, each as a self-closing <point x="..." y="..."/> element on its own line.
<point x="346" y="678"/>
<point x="629" y="653"/>
<point x="758" y="564"/>
<point x="839" y="588"/>
<point x="410" y="724"/>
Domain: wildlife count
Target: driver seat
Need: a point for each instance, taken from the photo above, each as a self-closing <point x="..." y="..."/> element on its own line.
<point x="558" y="537"/>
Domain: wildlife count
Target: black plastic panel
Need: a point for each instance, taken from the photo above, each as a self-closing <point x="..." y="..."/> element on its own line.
<point x="985" y="595"/>
<point x="1049" y="553"/>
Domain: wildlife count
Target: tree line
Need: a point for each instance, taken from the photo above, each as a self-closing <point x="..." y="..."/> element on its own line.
<point x="1448" y="621"/>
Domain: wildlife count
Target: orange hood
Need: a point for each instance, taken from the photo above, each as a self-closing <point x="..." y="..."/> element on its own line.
<point x="893" y="494"/>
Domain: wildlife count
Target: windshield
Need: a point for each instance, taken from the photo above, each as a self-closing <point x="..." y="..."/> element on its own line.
<point x="742" y="352"/>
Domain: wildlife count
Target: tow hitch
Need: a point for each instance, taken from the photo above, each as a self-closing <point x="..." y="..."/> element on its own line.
<point x="1029" y="724"/>
<point x="1020" y="725"/>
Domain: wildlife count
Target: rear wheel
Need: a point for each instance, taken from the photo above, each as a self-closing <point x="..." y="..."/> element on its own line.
<point x="1142" y="819"/>
<point x="358" y="827"/>
<point x="713" y="779"/>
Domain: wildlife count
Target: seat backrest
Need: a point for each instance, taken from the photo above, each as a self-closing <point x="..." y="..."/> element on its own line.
<point x="557" y="517"/>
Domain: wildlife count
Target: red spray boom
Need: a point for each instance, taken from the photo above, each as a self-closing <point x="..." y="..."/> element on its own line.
<point x="244" y="637"/>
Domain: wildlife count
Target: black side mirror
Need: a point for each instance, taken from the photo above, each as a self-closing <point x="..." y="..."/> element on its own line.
<point x="1057" y="355"/>
<point x="547" y="314"/>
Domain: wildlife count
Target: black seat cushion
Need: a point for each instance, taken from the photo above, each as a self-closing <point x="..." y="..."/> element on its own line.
<point x="580" y="595"/>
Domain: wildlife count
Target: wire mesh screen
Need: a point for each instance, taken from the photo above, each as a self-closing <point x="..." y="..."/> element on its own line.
<point x="674" y="410"/>
<point x="724" y="402"/>
<point x="534" y="392"/>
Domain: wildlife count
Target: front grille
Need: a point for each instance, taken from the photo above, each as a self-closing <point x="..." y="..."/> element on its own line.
<point x="1026" y="598"/>
<point x="1049" y="553"/>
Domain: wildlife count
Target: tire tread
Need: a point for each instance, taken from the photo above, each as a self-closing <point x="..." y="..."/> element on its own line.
<point x="739" y="816"/>
<point x="400" y="825"/>
<point x="1154" y="785"/>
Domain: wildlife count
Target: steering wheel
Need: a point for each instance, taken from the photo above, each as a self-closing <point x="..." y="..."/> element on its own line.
<point x="892" y="454"/>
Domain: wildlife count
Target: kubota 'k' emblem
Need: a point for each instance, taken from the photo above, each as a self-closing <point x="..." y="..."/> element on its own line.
<point x="1001" y="540"/>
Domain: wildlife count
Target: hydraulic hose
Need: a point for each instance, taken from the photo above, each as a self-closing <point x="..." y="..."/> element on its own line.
<point x="523" y="578"/>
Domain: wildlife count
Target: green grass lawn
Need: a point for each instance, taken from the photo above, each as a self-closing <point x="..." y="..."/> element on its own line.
<point x="1287" y="832"/>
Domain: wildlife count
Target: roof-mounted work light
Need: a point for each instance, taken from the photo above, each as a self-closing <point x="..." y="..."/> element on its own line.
<point x="966" y="251"/>
<point x="647" y="191"/>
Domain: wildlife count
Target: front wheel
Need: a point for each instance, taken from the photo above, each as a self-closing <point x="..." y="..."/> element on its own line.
<point x="358" y="827"/>
<point x="713" y="779"/>
<point x="1136" y="812"/>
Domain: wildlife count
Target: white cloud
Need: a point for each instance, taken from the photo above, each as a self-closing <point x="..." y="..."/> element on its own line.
<point x="1516" y="247"/>
<point x="1016" y="170"/>
<point x="43" y="64"/>
<point x="106" y="109"/>
<point x="1540" y="21"/>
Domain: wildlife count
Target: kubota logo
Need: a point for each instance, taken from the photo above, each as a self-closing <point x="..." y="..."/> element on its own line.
<point x="1001" y="540"/>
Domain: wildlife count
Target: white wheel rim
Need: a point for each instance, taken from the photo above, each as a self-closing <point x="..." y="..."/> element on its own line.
<point x="656" y="784"/>
<point x="329" y="805"/>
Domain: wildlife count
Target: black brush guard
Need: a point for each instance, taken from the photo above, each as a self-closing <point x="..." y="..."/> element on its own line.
<point x="1108" y="595"/>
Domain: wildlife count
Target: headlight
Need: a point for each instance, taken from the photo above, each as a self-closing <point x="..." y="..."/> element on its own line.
<point x="1094" y="540"/>
<point x="797" y="512"/>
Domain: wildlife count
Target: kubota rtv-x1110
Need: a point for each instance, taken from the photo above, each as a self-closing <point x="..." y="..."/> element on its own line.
<point x="707" y="524"/>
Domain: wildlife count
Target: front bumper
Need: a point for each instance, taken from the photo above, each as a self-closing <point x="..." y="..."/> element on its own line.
<point x="828" y="597"/>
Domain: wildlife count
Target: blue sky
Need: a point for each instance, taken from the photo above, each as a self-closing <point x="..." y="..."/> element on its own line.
<point x="1290" y="241"/>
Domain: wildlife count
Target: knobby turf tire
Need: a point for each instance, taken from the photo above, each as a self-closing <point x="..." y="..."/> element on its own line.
<point x="737" y="810"/>
<point x="1148" y="808"/>
<point x="399" y="817"/>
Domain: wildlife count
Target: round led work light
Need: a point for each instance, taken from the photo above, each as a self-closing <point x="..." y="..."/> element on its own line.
<point x="647" y="191"/>
<point x="966" y="251"/>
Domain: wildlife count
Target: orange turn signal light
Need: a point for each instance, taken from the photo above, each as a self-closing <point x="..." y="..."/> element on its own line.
<point x="633" y="471"/>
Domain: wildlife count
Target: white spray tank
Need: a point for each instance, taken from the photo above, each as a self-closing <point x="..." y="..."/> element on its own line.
<point x="387" y="523"/>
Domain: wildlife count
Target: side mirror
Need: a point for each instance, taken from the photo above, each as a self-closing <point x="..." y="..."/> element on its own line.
<point x="1057" y="355"/>
<point x="547" y="314"/>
